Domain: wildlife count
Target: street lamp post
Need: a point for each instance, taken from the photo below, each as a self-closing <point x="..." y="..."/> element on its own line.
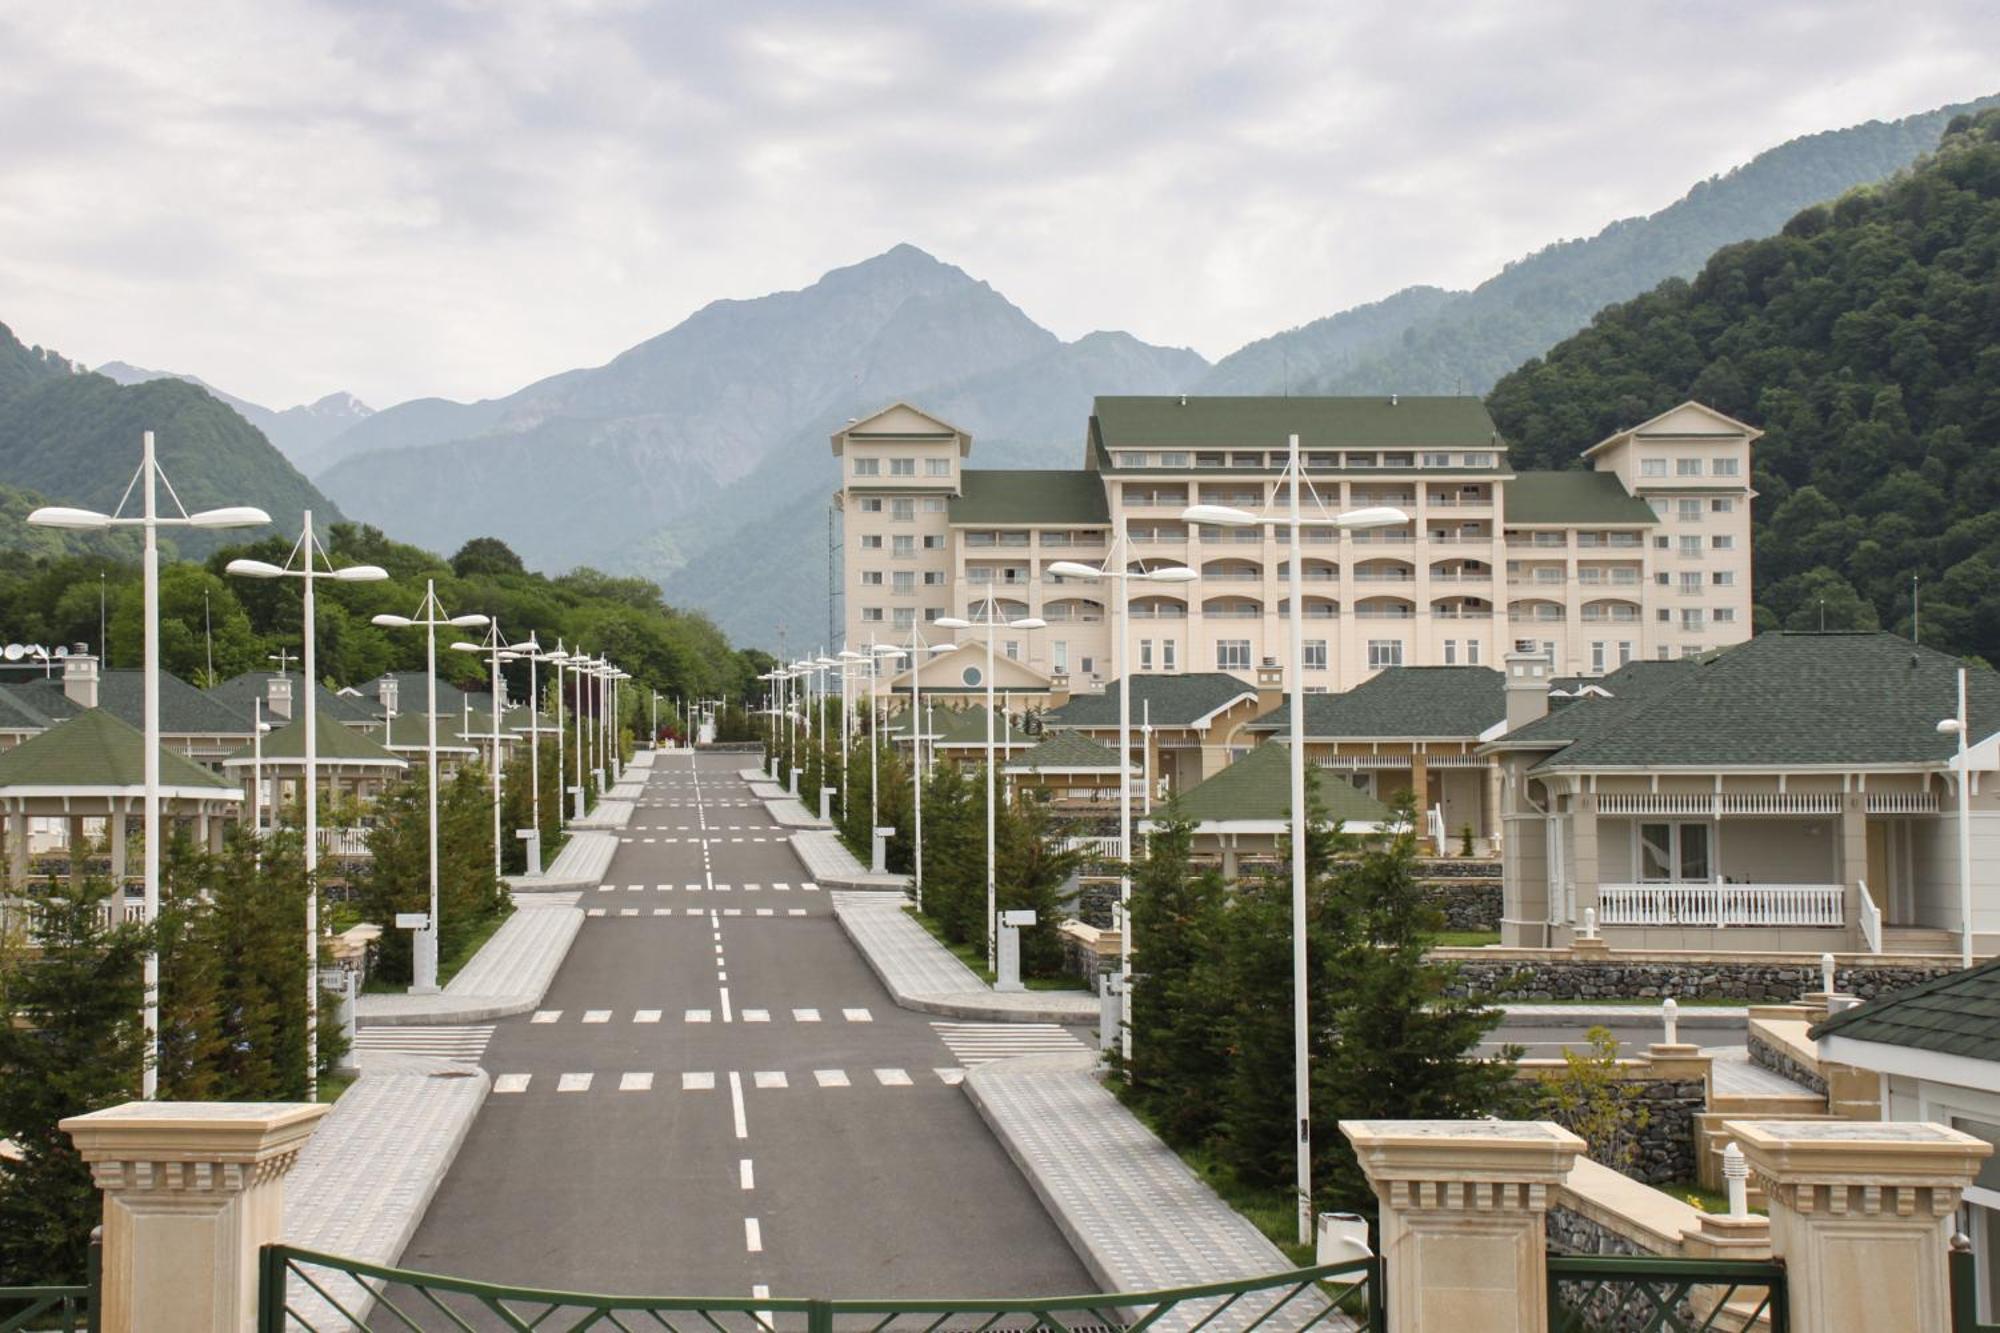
<point x="150" y="521"/>
<point x="531" y="653"/>
<point x="1225" y="516"/>
<point x="917" y="738"/>
<point x="494" y="647"/>
<point x="990" y="623"/>
<point x="849" y="663"/>
<point x="308" y="553"/>
<point x="1116" y="566"/>
<point x="431" y="615"/>
<point x="1961" y="727"/>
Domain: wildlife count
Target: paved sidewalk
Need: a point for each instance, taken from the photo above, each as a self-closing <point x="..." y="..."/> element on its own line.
<point x="832" y="866"/>
<point x="509" y="974"/>
<point x="608" y="814"/>
<point x="579" y="865"/>
<point x="1690" y="1015"/>
<point x="924" y="975"/>
<point x="1731" y="1074"/>
<point x="1135" y="1214"/>
<point x="367" y="1175"/>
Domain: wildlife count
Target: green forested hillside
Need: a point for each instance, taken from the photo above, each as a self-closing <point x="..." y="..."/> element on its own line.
<point x="1865" y="341"/>
<point x="74" y="439"/>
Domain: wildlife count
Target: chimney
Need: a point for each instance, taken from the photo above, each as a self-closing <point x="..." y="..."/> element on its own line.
<point x="1392" y="400"/>
<point x="1528" y="676"/>
<point x="80" y="678"/>
<point x="278" y="697"/>
<point x="385" y="694"/>
<point x="1270" y="686"/>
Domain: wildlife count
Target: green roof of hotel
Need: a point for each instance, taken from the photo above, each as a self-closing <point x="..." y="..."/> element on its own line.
<point x="1784" y="699"/>
<point x="1177" y="701"/>
<point x="1259" y="787"/>
<point x="1419" y="702"/>
<point x="1030" y="495"/>
<point x="241" y="692"/>
<point x="1366" y="422"/>
<point x="93" y="751"/>
<point x="1065" y="750"/>
<point x="409" y="732"/>
<point x="338" y="744"/>
<point x="184" y="710"/>
<point x="1957" y="1014"/>
<point x="1570" y="721"/>
<point x="1573" y="496"/>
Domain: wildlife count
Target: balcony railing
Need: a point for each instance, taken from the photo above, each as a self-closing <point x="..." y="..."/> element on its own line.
<point x="1454" y="613"/>
<point x="1707" y="804"/>
<point x="1902" y="803"/>
<point x="1385" y="613"/>
<point x="1159" y="613"/>
<point x="1464" y="576"/>
<point x="1384" y="576"/>
<point x="1720" y="905"/>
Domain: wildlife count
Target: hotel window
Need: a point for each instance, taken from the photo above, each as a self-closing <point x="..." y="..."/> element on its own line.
<point x="1723" y="543"/>
<point x="935" y="542"/>
<point x="1726" y="467"/>
<point x="1597" y="659"/>
<point x="1472" y="652"/>
<point x="1687" y="467"/>
<point x="1384" y="653"/>
<point x="902" y="511"/>
<point x="1232" y="654"/>
<point x="1167" y="654"/>
<point x="1689" y="511"/>
<point x="1012" y="648"/>
<point x="1315" y="654"/>
<point x="1145" y="654"/>
<point x="937" y="467"/>
<point x="1624" y="651"/>
<point x="905" y="580"/>
<point x="1662" y="578"/>
<point x="1437" y="460"/>
<point x="869" y="614"/>
<point x="1652" y="467"/>
<point x="1660" y="543"/>
<point x="933" y="504"/>
<point x="1173" y="460"/>
<point x="1690" y="580"/>
<point x="1059" y="656"/>
<point x="905" y="616"/>
<point x="934" y="578"/>
<point x="1722" y="506"/>
<point x="905" y="546"/>
<point x="1089" y="665"/>
<point x="1662" y="652"/>
<point x="1691" y="546"/>
<point x="1524" y="645"/>
<point x="1725" y="615"/>
<point x="1690" y="650"/>
<point x="1724" y="578"/>
<point x="1479" y="460"/>
<point x="871" y="504"/>
<point x="1451" y="652"/>
<point x="867" y="467"/>
<point x="902" y="467"/>
<point x="1691" y="619"/>
<point x="871" y="541"/>
<point x="871" y="578"/>
<point x="1665" y="615"/>
<point x="933" y="613"/>
<point x="1673" y="853"/>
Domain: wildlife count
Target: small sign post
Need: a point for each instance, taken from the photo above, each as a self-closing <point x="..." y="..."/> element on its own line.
<point x="533" y="837"/>
<point x="1011" y="924"/>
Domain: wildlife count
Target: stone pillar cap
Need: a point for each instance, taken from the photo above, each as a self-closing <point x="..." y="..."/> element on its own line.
<point x="1894" y="1152"/>
<point x="1484" y="1150"/>
<point x="194" y="1131"/>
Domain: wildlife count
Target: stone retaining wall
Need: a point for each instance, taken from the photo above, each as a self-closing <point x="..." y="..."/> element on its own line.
<point x="1572" y="1233"/>
<point x="1663" y="1152"/>
<point x="1781" y="1062"/>
<point x="1458" y="868"/>
<point x="1471" y="905"/>
<point x="1556" y="977"/>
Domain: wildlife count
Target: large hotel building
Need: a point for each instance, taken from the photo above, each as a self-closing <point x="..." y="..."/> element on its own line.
<point x="1642" y="552"/>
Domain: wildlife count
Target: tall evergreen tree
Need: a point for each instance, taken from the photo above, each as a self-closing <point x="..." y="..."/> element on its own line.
<point x="1180" y="1010"/>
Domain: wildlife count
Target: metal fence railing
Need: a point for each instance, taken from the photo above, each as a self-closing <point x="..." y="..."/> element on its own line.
<point x="1618" y="1294"/>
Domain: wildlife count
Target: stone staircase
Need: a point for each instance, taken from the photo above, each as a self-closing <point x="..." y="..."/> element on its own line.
<point x="1918" y="939"/>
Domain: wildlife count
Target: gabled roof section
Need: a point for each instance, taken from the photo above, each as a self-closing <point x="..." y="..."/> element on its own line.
<point x="1573" y="496"/>
<point x="900" y="421"/>
<point x="1690" y="419"/>
<point x="1067" y="752"/>
<point x="1956" y="1014"/>
<point x="1784" y="699"/>
<point x="1007" y="496"/>
<point x="962" y="671"/>
<point x="1258" y="787"/>
<point x="1614" y="696"/>
<point x="409" y="733"/>
<point x="338" y="744"/>
<point x="240" y="693"/>
<point x="95" y="752"/>
<point x="1403" y="703"/>
<point x="1177" y="701"/>
<point x="184" y="710"/>
<point x="410" y="687"/>
<point x="1174" y="421"/>
<point x="17" y="714"/>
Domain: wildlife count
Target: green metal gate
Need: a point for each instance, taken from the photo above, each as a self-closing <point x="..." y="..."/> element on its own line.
<point x="1591" y="1293"/>
<point x="301" y="1291"/>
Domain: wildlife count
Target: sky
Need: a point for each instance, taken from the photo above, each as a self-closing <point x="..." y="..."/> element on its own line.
<point x="404" y="198"/>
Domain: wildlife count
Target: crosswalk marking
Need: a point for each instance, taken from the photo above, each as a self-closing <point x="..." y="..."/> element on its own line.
<point x="857" y="1015"/>
<point x="573" y="1083"/>
<point x="697" y="1015"/>
<point x="951" y="1078"/>
<point x="697" y="1082"/>
<point x="892" y="1078"/>
<point x="771" y="1078"/>
<point x="595" y="911"/>
<point x="796" y="911"/>
<point x="639" y="1082"/>
<point x="974" y="1044"/>
<point x="763" y="911"/>
<point x="756" y="1015"/>
<point x="831" y="1078"/>
<point x="628" y="911"/>
<point x="805" y="1015"/>
<point x="512" y="1083"/>
<point x="597" y="1015"/>
<point x="464" y="1043"/>
<point x="547" y="1016"/>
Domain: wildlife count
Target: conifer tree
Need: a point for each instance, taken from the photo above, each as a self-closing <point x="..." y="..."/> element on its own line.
<point x="1180" y="1011"/>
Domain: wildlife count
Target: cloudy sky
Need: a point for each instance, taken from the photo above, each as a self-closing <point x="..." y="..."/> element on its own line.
<point x="403" y="197"/>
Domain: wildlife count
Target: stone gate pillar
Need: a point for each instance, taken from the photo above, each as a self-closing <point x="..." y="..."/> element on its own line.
<point x="1862" y="1216"/>
<point x="192" y="1190"/>
<point x="1462" y="1204"/>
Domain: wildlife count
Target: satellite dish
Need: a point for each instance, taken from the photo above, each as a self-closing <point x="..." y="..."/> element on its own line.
<point x="61" y="653"/>
<point x="14" y="652"/>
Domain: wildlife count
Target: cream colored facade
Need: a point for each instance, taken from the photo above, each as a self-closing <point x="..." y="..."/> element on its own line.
<point x="1652" y="561"/>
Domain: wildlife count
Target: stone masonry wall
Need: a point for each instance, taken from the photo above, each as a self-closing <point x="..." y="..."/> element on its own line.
<point x="1780" y="1062"/>
<point x="1613" y="978"/>
<point x="1471" y="905"/>
<point x="1663" y="1152"/>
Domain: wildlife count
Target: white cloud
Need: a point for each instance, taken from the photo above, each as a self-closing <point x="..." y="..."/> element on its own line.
<point x="407" y="198"/>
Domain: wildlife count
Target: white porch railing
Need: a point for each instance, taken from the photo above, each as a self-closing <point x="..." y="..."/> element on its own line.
<point x="1871" y="921"/>
<point x="1720" y="905"/>
<point x="1091" y="846"/>
<point x="1706" y="803"/>
<point x="1902" y="802"/>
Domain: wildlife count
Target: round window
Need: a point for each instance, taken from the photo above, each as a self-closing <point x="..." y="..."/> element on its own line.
<point x="971" y="675"/>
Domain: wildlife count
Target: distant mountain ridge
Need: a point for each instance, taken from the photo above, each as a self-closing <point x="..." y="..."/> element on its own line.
<point x="296" y="431"/>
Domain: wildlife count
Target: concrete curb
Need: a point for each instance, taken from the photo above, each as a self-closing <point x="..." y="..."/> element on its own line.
<point x="1693" y="1016"/>
<point x="981" y="1004"/>
<point x="474" y="1007"/>
<point x="826" y="858"/>
<point x="600" y="847"/>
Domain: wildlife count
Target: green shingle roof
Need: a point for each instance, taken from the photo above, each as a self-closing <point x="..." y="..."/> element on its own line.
<point x="1259" y="787"/>
<point x="1065" y="750"/>
<point x="410" y="687"/>
<point x="1573" y="496"/>
<point x="1194" y="422"/>
<point x="17" y="714"/>
<point x="1028" y="495"/>
<point x="96" y="751"/>
<point x="184" y="710"/>
<point x="409" y="732"/>
<point x="1958" y="1014"/>
<point x="1783" y="699"/>
<point x="1572" y="721"/>
<point x="1177" y="701"/>
<point x="337" y="744"/>
<point x="241" y="692"/>
<point x="1426" y="701"/>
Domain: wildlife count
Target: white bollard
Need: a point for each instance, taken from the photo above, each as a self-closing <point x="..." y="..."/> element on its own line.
<point x="1590" y="923"/>
<point x="1826" y="973"/>
<point x="1670" y="1014"/>
<point x="826" y="795"/>
<point x="532" y="837"/>
<point x="795" y="779"/>
<point x="879" y="850"/>
<point x="1736" y="1173"/>
<point x="1008" y="981"/>
<point x="578" y="793"/>
<point x="1108" y="1010"/>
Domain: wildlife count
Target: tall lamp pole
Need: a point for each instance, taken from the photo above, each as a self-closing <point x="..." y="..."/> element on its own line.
<point x="531" y="652"/>
<point x="990" y="622"/>
<point x="1225" y="516"/>
<point x="431" y="615"/>
<point x="308" y="555"/>
<point x="915" y="653"/>
<point x="1116" y="566"/>
<point x="150" y="520"/>
<point x="495" y="649"/>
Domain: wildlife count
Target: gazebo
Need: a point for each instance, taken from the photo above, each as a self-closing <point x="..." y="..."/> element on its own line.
<point x="93" y="767"/>
<point x="349" y="763"/>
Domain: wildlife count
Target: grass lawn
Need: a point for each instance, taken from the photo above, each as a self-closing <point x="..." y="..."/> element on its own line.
<point x="1467" y="939"/>
<point x="972" y="958"/>
<point x="333" y="1085"/>
<point x="449" y="965"/>
<point x="1708" y="1201"/>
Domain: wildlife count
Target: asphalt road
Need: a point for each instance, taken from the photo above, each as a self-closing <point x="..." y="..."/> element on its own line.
<point x="1541" y="1039"/>
<point x="759" y="1118"/>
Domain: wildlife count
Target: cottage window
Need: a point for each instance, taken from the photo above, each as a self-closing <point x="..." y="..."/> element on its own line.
<point x="1676" y="853"/>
